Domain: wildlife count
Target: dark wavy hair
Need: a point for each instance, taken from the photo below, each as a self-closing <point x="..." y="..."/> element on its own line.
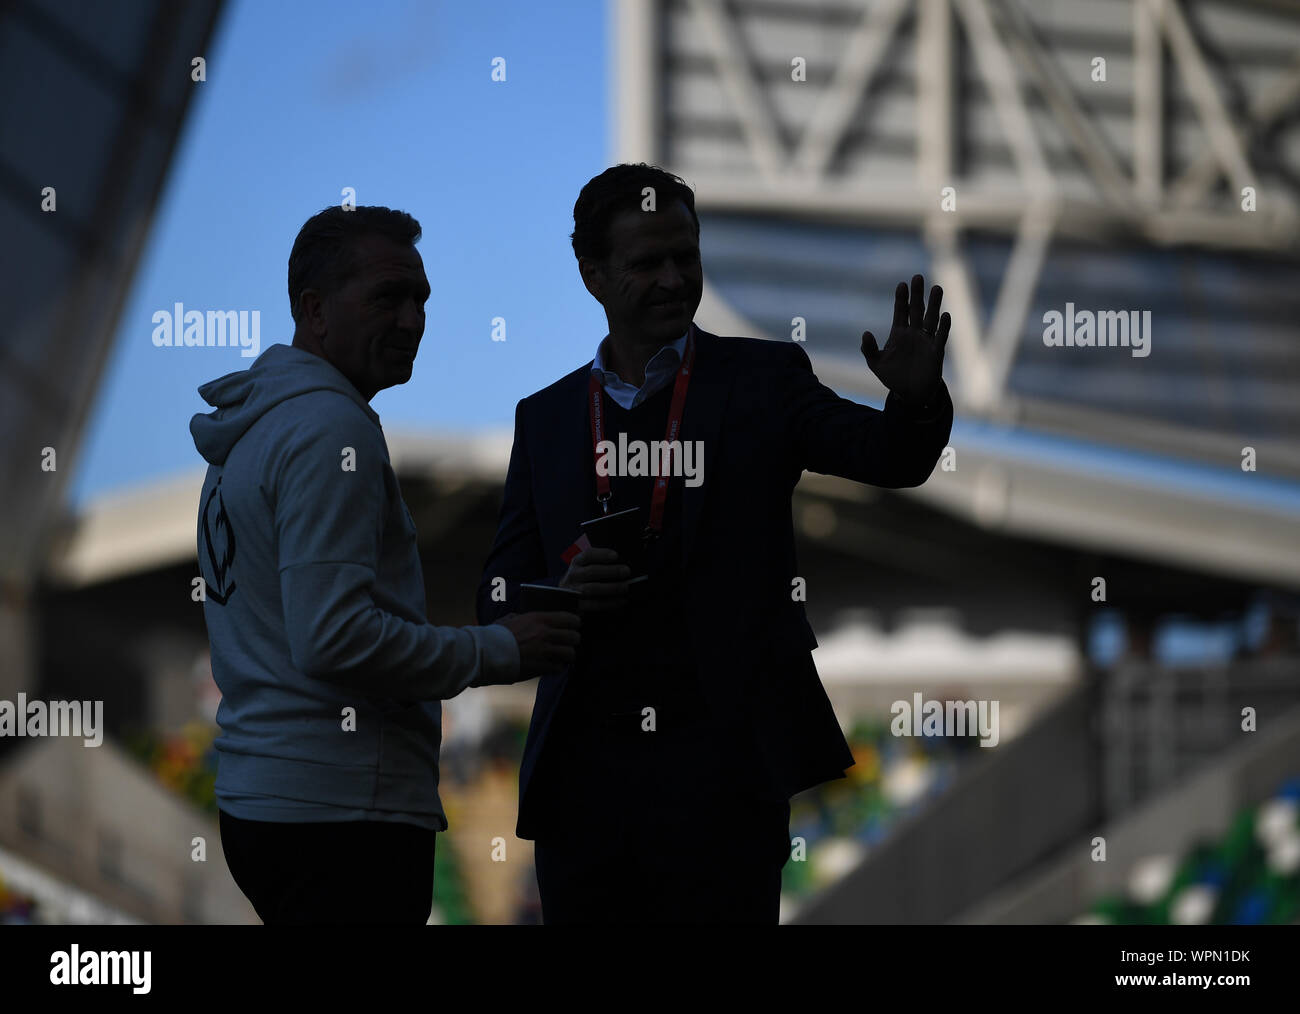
<point x="616" y="190"/>
<point x="324" y="254"/>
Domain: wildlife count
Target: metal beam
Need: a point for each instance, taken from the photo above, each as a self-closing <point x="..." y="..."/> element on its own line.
<point x="635" y="86"/>
<point x="1090" y="144"/>
<point x="1279" y="99"/>
<point x="952" y="272"/>
<point x="996" y="67"/>
<point x="731" y="58"/>
<point x="1019" y="282"/>
<point x="1148" y="102"/>
<point x="1205" y="96"/>
<point x="996" y="211"/>
<point x="935" y="141"/>
<point x="835" y="108"/>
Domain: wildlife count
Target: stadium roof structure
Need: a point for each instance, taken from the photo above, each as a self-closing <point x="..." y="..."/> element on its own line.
<point x="95" y="97"/>
<point x="1120" y="502"/>
<point x="154" y="524"/>
<point x="1120" y="155"/>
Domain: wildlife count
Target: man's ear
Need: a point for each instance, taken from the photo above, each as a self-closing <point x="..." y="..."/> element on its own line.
<point x="593" y="277"/>
<point x="311" y="311"/>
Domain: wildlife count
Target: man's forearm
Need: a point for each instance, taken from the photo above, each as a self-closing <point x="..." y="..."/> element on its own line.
<point x="926" y="428"/>
<point x="346" y="638"/>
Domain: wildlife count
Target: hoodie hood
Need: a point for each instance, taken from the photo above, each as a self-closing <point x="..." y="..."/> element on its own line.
<point x="241" y="398"/>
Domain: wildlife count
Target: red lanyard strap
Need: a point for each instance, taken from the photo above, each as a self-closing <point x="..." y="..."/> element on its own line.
<point x="660" y="493"/>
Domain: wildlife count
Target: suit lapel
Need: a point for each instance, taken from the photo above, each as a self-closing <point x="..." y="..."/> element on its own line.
<point x="568" y="474"/>
<point x="706" y="401"/>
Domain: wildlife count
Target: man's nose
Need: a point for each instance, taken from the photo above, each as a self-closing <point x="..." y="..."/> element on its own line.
<point x="669" y="278"/>
<point x="411" y="317"/>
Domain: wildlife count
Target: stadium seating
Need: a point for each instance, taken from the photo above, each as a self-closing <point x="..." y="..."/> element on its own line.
<point x="1250" y="876"/>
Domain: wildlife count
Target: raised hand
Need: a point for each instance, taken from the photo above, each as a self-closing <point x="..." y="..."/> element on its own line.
<point x="911" y="363"/>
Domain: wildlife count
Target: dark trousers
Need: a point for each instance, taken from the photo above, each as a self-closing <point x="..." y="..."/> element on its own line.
<point x="659" y="830"/>
<point x="332" y="873"/>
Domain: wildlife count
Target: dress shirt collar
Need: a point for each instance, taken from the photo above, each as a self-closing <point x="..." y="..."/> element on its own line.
<point x="668" y="355"/>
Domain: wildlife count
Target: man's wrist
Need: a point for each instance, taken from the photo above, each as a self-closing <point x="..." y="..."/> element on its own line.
<point x="917" y="407"/>
<point x="501" y="656"/>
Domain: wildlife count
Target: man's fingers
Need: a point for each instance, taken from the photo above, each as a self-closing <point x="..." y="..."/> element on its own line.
<point x="932" y="310"/>
<point x="900" y="305"/>
<point x="916" y="309"/>
<point x="945" y="322"/>
<point x="869" y="348"/>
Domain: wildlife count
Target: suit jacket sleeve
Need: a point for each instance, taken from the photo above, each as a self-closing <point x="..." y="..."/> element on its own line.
<point x="896" y="448"/>
<point x="517" y="554"/>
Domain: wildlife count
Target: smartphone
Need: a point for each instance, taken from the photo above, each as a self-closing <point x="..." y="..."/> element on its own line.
<point x="623" y="532"/>
<point x="544" y="598"/>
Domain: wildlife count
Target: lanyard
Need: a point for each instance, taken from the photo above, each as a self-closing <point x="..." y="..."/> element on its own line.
<point x="660" y="492"/>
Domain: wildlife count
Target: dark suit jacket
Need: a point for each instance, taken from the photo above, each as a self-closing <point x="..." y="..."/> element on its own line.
<point x="763" y="418"/>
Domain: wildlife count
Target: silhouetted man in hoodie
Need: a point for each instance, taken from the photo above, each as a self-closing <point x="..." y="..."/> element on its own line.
<point x="330" y="673"/>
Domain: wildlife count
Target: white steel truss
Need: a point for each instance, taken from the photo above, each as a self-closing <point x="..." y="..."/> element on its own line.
<point x="1142" y="203"/>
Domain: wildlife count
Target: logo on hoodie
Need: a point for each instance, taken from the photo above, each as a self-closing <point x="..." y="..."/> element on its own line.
<point x="221" y="550"/>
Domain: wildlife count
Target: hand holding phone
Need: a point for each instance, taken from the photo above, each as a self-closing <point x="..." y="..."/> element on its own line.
<point x="600" y="580"/>
<point x="624" y="533"/>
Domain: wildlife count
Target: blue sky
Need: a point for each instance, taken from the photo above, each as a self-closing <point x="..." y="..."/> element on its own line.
<point x="396" y="100"/>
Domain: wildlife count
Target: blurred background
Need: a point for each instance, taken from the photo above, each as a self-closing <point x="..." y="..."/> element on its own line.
<point x="1110" y="548"/>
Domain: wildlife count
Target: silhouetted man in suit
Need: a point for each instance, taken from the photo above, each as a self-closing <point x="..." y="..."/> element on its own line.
<point x="658" y="769"/>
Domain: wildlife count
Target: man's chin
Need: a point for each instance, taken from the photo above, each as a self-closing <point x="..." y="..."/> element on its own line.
<point x="667" y="329"/>
<point x="395" y="375"/>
